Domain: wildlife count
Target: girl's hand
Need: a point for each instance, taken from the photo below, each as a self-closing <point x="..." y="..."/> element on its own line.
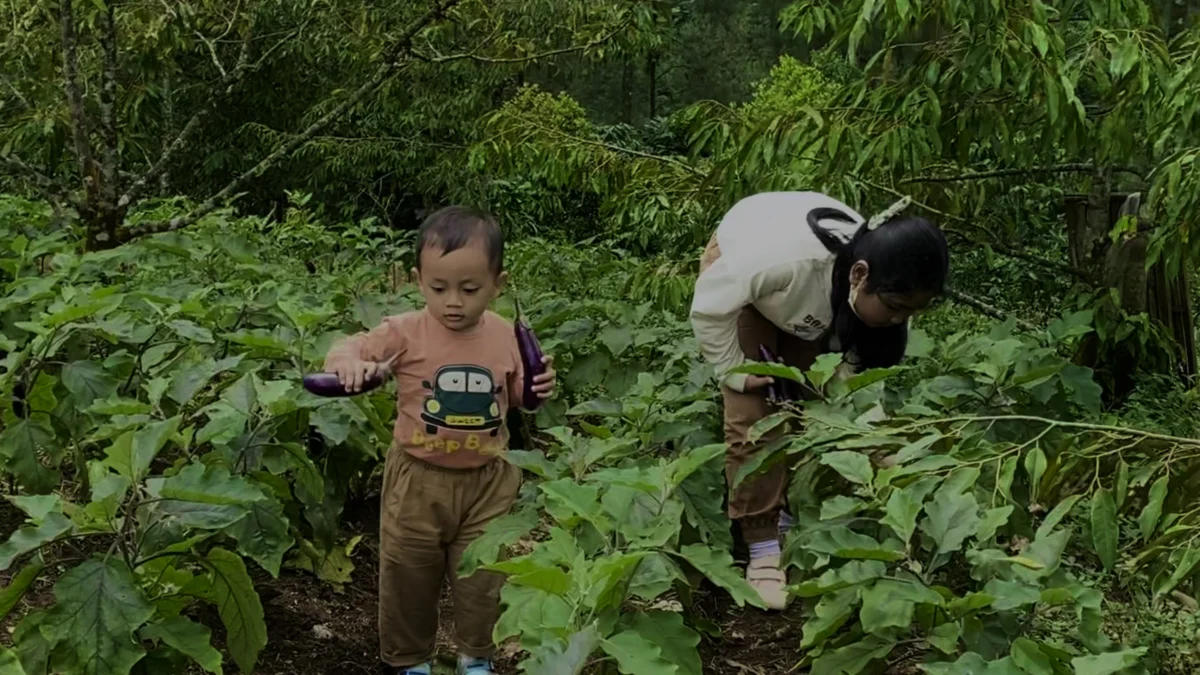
<point x="544" y="384"/>
<point x="757" y="382"/>
<point x="353" y="374"/>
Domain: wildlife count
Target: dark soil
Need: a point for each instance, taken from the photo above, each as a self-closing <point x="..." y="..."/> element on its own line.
<point x="314" y="629"/>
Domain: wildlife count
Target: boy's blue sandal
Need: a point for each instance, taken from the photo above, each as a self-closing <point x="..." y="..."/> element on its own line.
<point x="423" y="669"/>
<point x="474" y="666"/>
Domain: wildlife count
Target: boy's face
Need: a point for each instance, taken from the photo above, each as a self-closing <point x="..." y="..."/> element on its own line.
<point x="458" y="286"/>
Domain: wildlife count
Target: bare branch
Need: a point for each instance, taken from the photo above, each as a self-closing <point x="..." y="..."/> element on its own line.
<point x="391" y="62"/>
<point x="994" y="242"/>
<point x="83" y="149"/>
<point x="54" y="192"/>
<point x="987" y="309"/>
<point x="1008" y="173"/>
<point x="474" y="55"/>
<point x="109" y="187"/>
<point x="225" y="87"/>
<point x="619" y="149"/>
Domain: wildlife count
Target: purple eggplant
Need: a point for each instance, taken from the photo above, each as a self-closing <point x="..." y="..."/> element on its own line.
<point x="774" y="389"/>
<point x="327" y="385"/>
<point x="531" y="360"/>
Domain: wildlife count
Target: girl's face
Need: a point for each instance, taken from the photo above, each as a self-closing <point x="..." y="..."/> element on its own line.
<point x="879" y="310"/>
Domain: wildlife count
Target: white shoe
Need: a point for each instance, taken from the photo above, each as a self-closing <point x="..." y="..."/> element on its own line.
<point x="765" y="576"/>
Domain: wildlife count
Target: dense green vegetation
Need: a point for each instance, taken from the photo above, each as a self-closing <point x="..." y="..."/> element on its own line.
<point x="198" y="198"/>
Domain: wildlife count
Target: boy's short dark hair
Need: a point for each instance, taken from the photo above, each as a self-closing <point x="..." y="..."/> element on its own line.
<point x="453" y="227"/>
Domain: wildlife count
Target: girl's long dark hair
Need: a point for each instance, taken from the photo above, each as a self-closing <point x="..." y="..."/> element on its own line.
<point x="906" y="254"/>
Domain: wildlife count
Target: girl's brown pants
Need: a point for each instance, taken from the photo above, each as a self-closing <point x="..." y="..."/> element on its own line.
<point x="756" y="503"/>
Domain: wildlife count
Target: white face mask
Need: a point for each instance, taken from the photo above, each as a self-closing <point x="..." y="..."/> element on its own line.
<point x="854" y="288"/>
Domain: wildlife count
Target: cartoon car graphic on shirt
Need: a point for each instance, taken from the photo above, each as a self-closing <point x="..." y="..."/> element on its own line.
<point x="462" y="398"/>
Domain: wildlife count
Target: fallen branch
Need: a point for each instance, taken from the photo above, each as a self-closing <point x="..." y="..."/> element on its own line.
<point x="474" y="56"/>
<point x="986" y="309"/>
<point x="390" y="63"/>
<point x="1008" y="173"/>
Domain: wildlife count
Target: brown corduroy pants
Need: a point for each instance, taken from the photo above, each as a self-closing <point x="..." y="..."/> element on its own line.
<point x="756" y="503"/>
<point x="429" y="515"/>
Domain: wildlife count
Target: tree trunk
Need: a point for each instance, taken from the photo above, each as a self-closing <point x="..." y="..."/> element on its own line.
<point x="652" y="71"/>
<point x="627" y="91"/>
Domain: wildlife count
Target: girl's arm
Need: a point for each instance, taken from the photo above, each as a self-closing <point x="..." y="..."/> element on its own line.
<point x="722" y="292"/>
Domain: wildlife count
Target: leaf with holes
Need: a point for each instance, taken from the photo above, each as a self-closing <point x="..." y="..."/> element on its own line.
<point x="228" y="587"/>
<point x="99" y="606"/>
<point x="188" y="637"/>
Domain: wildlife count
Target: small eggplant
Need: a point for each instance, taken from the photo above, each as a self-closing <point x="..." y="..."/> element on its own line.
<point x="775" y="388"/>
<point x="531" y="360"/>
<point x="327" y="385"/>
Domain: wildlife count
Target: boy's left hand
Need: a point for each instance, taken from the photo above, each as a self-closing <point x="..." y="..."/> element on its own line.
<point x="544" y="384"/>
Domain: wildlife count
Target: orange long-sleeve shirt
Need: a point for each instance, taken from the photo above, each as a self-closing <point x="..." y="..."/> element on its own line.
<point x="454" y="388"/>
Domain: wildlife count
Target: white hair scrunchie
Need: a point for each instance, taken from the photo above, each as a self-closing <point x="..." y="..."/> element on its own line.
<point x="888" y="213"/>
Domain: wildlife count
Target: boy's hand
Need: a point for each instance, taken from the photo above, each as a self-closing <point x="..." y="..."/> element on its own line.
<point x="354" y="373"/>
<point x="544" y="384"/>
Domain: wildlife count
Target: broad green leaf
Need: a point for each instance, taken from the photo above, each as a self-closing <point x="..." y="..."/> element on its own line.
<point x="11" y="594"/>
<point x="617" y="339"/>
<point x="852" y="573"/>
<point x="1107" y="664"/>
<point x="535" y="462"/>
<point x="903" y="508"/>
<point x="993" y="520"/>
<point x="132" y="453"/>
<point x="1104" y="527"/>
<point x="840" y="507"/>
<point x="21" y="444"/>
<point x="27" y="539"/>
<point x="189" y="638"/>
<point x="579" y="500"/>
<point x="830" y="614"/>
<point x="262" y="534"/>
<point x="676" y="642"/>
<point x="717" y="565"/>
<point x="842" y="542"/>
<point x="636" y="655"/>
<point x="1035" y="466"/>
<point x="190" y="331"/>
<point x="237" y="603"/>
<point x="497" y="535"/>
<point x="944" y="637"/>
<point x="99" y="608"/>
<point x="37" y="507"/>
<point x="88" y="381"/>
<point x="853" y="466"/>
<point x="853" y="658"/>
<point x="529" y="611"/>
<point x="554" y="659"/>
<point x="1004" y="479"/>
<point x="206" y="485"/>
<point x="1121" y="489"/>
<point x="950" y="519"/>
<point x="608" y="577"/>
<point x="654" y="576"/>
<point x="10" y="663"/>
<point x="961" y="479"/>
<point x="551" y="580"/>
<point x="691" y="461"/>
<point x="889" y="603"/>
<point x="917" y="449"/>
<point x="824" y="368"/>
<point x="1057" y="514"/>
<point x="1011" y="594"/>
<point x="1148" y="520"/>
<point x="1030" y="658"/>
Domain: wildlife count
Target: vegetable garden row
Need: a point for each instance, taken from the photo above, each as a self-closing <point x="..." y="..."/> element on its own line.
<point x="964" y="513"/>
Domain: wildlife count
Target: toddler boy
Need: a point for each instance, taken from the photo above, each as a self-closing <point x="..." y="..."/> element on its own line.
<point x="458" y="373"/>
